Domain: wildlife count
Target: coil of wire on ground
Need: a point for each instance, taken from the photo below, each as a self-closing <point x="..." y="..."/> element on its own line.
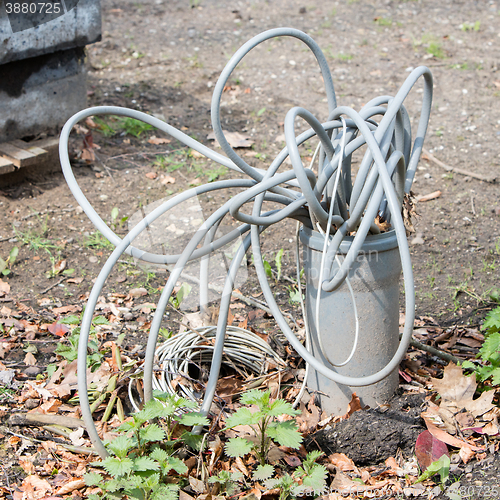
<point x="174" y="357"/>
<point x="385" y="174"/>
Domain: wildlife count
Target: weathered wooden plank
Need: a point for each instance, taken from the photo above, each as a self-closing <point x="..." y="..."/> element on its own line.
<point x="29" y="146"/>
<point x="18" y="156"/>
<point x="6" y="166"/>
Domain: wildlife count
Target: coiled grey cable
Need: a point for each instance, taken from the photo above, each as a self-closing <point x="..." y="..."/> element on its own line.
<point x="175" y="355"/>
<point x="386" y="172"/>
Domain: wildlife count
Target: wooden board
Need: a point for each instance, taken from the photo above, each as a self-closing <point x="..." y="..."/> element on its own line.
<point x="26" y="146"/>
<point x="19" y="157"/>
<point x="17" y="153"/>
<point x="6" y="166"/>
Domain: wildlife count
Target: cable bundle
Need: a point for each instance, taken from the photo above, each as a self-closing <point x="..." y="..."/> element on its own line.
<point x="241" y="348"/>
<point x="329" y="201"/>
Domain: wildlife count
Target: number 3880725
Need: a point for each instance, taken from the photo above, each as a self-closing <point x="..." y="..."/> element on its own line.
<point x="33" y="8"/>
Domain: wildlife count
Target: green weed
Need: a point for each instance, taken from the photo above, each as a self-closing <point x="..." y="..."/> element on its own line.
<point x="6" y="265"/>
<point x="265" y="425"/>
<point x="97" y="240"/>
<point x="436" y="50"/>
<point x="476" y="26"/>
<point x="142" y="464"/>
<point x="441" y="467"/>
<point x="489" y="351"/>
<point x="383" y="21"/>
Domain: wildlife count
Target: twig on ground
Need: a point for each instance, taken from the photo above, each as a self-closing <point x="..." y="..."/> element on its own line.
<point x="7" y="481"/>
<point x="436" y="352"/>
<point x="45" y="419"/>
<point x="53" y="286"/>
<point x="461" y="171"/>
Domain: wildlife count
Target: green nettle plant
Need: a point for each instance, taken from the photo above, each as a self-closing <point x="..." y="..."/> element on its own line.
<point x="307" y="479"/>
<point x="264" y="424"/>
<point x="490" y="350"/>
<point x="227" y="481"/>
<point x="142" y="459"/>
<point x="70" y="351"/>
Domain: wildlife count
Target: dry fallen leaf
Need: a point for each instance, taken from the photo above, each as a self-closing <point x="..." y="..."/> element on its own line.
<point x="151" y="175"/>
<point x="342" y="462"/>
<point x="457" y="390"/>
<point x="4" y="288"/>
<point x="58" y="329"/>
<point x="71" y="486"/>
<point x="66" y="309"/>
<point x="428" y="449"/>
<point x="196" y="485"/>
<point x="76" y="437"/>
<point x="30" y="359"/>
<point x="442" y="435"/>
<point x="158" y="140"/>
<point x="35" y="487"/>
<point x="167" y="179"/>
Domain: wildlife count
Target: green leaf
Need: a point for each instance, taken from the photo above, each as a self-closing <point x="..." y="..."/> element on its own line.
<point x="51" y="369"/>
<point x="193" y="418"/>
<point x="13" y="255"/>
<point x="100" y="320"/>
<point x="173" y="400"/>
<point x="490" y="347"/>
<point x="121" y="445"/>
<point x="93" y="479"/>
<point x="256" y="397"/>
<point x="267" y="269"/>
<point x="496" y="376"/>
<point x="152" y="481"/>
<point x="468" y="365"/>
<point x="316" y="478"/>
<point x="152" y="409"/>
<point x="117" y="467"/>
<point x="285" y="433"/>
<point x="145" y="464"/>
<point x="263" y="472"/>
<point x="177" y="464"/>
<point x="237" y="476"/>
<point x="311" y="458"/>
<point x="492" y="321"/>
<point x="183" y="292"/>
<point x="114" y="213"/>
<point x="261" y="111"/>
<point x="93" y="496"/>
<point x="159" y="455"/>
<point x="243" y="416"/>
<point x="441" y="466"/>
<point x="69" y="320"/>
<point x="128" y="426"/>
<point x="166" y="492"/>
<point x="194" y="441"/>
<point x="238" y="447"/>
<point x="152" y="433"/>
<point x="281" y="407"/>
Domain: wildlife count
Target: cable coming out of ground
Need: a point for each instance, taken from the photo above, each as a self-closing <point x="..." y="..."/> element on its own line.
<point x="385" y="174"/>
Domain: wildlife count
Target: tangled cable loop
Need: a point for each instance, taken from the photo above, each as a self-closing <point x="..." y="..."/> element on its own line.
<point x="174" y="357"/>
<point x="330" y="202"/>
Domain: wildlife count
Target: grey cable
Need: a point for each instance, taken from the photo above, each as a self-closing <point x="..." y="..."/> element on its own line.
<point x="386" y="172"/>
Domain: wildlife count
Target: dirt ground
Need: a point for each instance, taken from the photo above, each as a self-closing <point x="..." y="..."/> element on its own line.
<point x="164" y="57"/>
